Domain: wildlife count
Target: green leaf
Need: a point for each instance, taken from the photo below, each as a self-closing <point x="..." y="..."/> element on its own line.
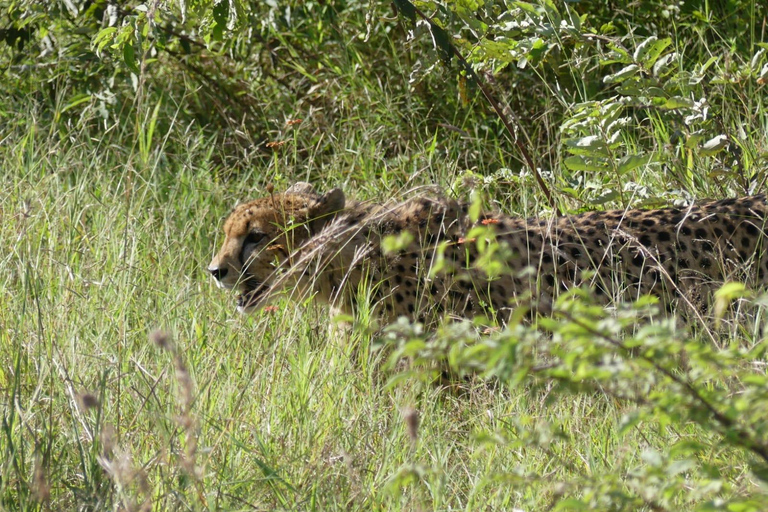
<point x="686" y="448"/>
<point x="571" y="504"/>
<point x="537" y="52"/>
<point x="618" y="54"/>
<point x="220" y="16"/>
<point x="747" y="506"/>
<point x="635" y="89"/>
<point x="552" y="12"/>
<point x="694" y="139"/>
<point x="649" y="50"/>
<point x="622" y="74"/>
<point x="713" y="145"/>
<point x="393" y="243"/>
<point x="607" y="28"/>
<point x="580" y="163"/>
<point x="529" y="8"/>
<point x="655" y="50"/>
<point x="642" y="48"/>
<point x="628" y="422"/>
<point x="129" y="57"/>
<point x="653" y="457"/>
<point x="442" y="43"/>
<point x="75" y="101"/>
<point x="680" y="466"/>
<point x="631" y="162"/>
<point x="661" y="65"/>
<point x="677" y="102"/>
<point x="709" y="62"/>
<point x="728" y="293"/>
<point x="573" y="17"/>
<point x="104" y="37"/>
<point x="731" y="290"/>
<point x="475" y="208"/>
<point x="406" y="8"/>
<point x="655" y="92"/>
<point x="591" y="145"/>
<point x="755" y="380"/>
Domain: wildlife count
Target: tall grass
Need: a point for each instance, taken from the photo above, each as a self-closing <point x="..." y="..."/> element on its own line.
<point x="106" y="246"/>
<point x="128" y="382"/>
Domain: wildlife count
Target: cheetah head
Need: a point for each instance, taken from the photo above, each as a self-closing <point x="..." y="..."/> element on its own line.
<point x="261" y="236"/>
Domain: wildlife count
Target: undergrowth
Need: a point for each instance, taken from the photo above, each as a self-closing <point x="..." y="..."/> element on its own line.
<point x="129" y="383"/>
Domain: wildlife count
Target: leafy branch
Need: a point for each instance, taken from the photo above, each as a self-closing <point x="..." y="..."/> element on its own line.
<point x="447" y="50"/>
<point x="738" y="435"/>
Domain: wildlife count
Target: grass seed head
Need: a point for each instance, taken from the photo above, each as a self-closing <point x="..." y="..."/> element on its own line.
<point x="161" y="339"/>
<point x="88" y="401"/>
<point x="411" y="417"/>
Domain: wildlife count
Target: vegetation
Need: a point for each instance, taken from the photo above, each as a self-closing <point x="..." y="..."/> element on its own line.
<point x="127" y="132"/>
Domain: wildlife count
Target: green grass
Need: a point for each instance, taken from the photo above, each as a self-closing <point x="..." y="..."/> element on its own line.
<point x="272" y="411"/>
<point x="105" y="235"/>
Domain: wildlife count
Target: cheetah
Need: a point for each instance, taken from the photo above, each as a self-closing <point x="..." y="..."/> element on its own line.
<point x="433" y="258"/>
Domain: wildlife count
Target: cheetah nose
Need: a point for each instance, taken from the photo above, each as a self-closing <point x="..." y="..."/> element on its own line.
<point x="218" y="273"/>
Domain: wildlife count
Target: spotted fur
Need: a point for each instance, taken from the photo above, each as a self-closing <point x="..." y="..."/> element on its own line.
<point x="301" y="242"/>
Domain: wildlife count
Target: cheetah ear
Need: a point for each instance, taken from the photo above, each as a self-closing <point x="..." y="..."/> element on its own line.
<point x="301" y="188"/>
<point x="325" y="208"/>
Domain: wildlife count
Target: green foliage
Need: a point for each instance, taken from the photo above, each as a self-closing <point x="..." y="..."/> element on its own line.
<point x="629" y="103"/>
<point x="609" y="86"/>
<point x="241" y="70"/>
<point x="130" y="128"/>
<point x="709" y="399"/>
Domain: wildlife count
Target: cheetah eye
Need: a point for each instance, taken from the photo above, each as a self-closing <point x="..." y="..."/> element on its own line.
<point x="250" y="243"/>
<point x="254" y="237"/>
